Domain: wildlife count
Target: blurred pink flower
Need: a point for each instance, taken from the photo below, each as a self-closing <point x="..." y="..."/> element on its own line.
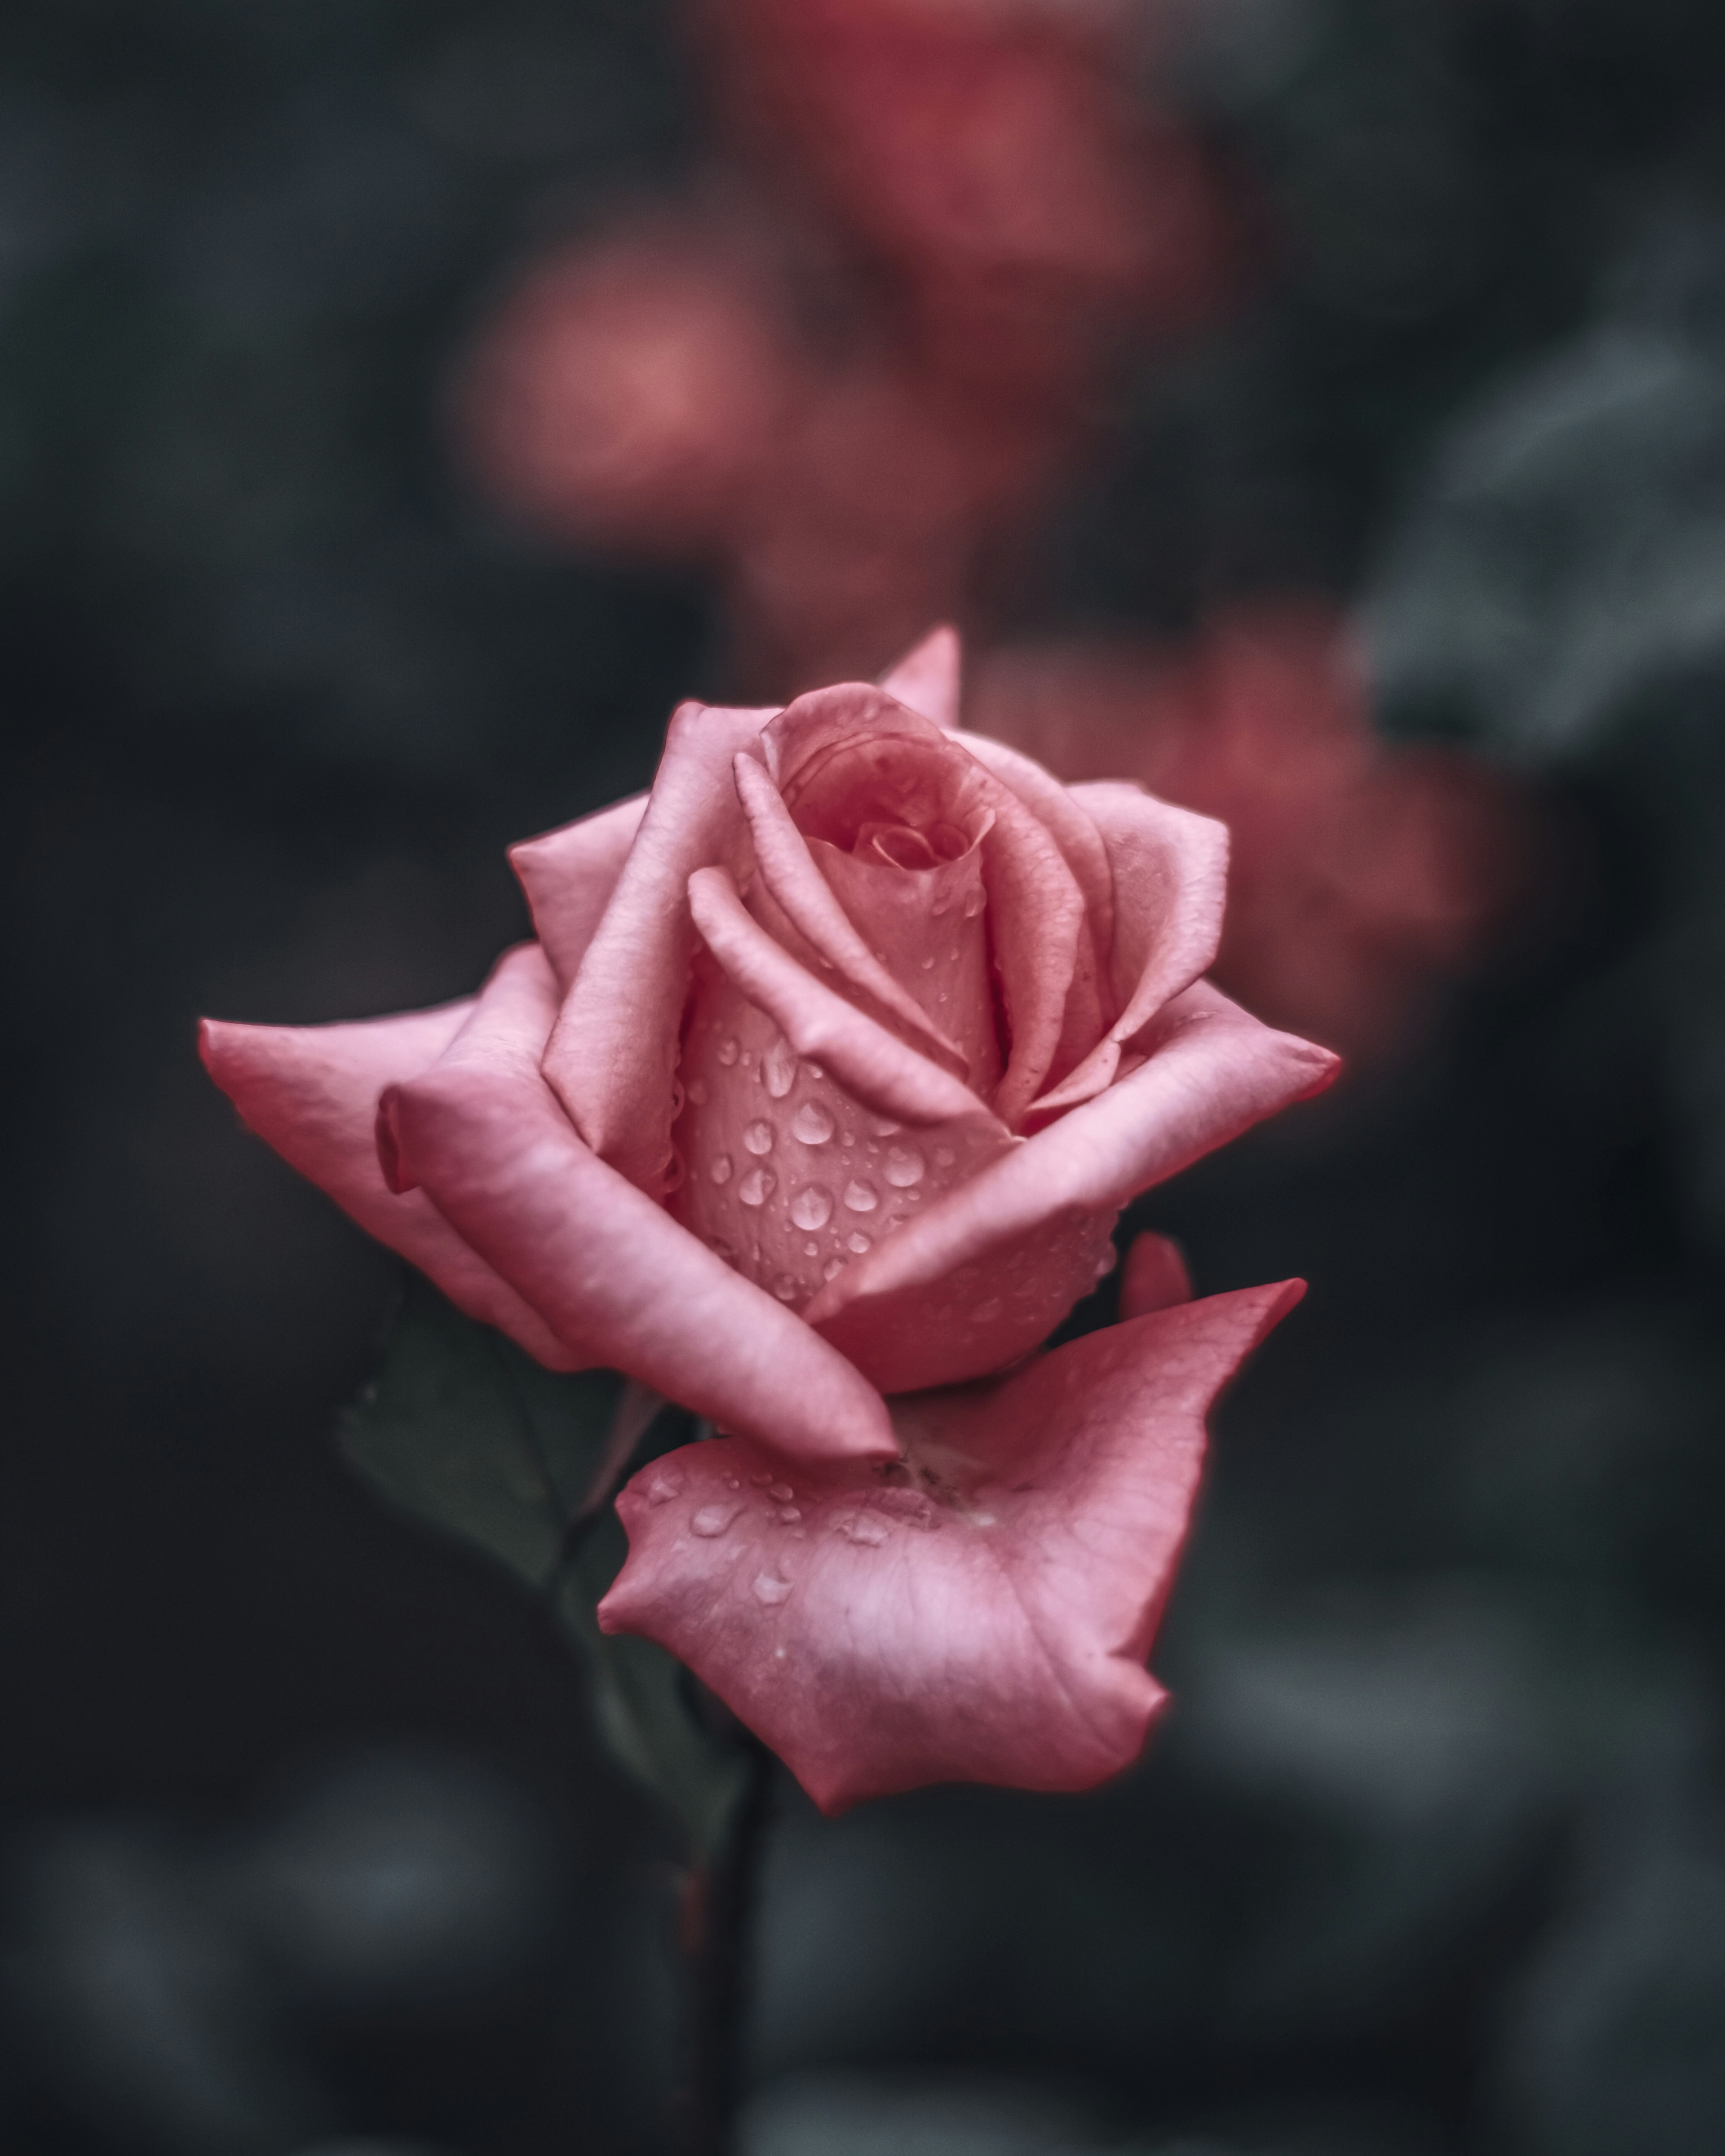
<point x="1359" y="875"/>
<point x="836" y="1060"/>
<point x="629" y="392"/>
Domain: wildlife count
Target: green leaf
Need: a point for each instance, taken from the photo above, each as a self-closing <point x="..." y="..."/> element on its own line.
<point x="461" y="1430"/>
<point x="465" y="1432"/>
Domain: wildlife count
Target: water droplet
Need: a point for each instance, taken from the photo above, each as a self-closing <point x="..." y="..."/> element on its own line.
<point x="668" y="1483"/>
<point x="832" y="1269"/>
<point x="857" y="1244"/>
<point x="727" y="1051"/>
<point x="814" y="1072"/>
<point x="904" y="1167"/>
<point x="733" y="1482"/>
<point x="812" y="1124"/>
<point x="812" y="1207"/>
<point x="861" y="1196"/>
<point x="758" y="1137"/>
<point x="762" y="1481"/>
<point x="944" y="1156"/>
<point x="697" y="1094"/>
<point x="974" y="904"/>
<point x="721" y="1170"/>
<point x="785" y="1288"/>
<point x="712" y="1520"/>
<point x="771" y="1589"/>
<point x="781" y="1493"/>
<point x="884" y="1127"/>
<point x="985" y="1313"/>
<point x="779" y="1067"/>
<point x="757" y="1187"/>
<point x="864" y="1528"/>
<point x="789" y="1514"/>
<point x="909" y="1505"/>
<point x="811" y="1250"/>
<point x="928" y="963"/>
<point x="847" y="1137"/>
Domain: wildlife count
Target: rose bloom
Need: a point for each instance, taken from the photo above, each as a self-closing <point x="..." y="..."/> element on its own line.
<point x="813" y="1107"/>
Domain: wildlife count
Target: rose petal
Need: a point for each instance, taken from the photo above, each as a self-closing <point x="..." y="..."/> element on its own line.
<point x="929" y="928"/>
<point x="1170" y="870"/>
<point x="782" y="854"/>
<point x="312" y="1092"/>
<point x="569" y="875"/>
<point x="874" y="1066"/>
<point x="927" y="678"/>
<point x="612" y="1053"/>
<point x="609" y="1271"/>
<point x="1154" y="1277"/>
<point x="982" y="1277"/>
<point x="984" y="1619"/>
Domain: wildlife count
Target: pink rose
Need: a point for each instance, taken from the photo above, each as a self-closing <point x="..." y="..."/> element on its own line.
<point x="813" y="1107"/>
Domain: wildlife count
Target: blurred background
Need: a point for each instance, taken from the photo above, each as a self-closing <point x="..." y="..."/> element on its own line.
<point x="1315" y="408"/>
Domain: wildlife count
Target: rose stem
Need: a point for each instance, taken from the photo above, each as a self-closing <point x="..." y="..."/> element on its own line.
<point x="715" y="1935"/>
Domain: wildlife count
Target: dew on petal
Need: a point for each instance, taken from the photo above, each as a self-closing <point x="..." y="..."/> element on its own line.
<point x="864" y="1528"/>
<point x="944" y="1156"/>
<point x="883" y="1126"/>
<point x="771" y="1589"/>
<point x="928" y="963"/>
<point x="712" y="1520"/>
<point x="789" y="1514"/>
<point x="721" y="1170"/>
<point x="758" y="1137"/>
<point x="812" y="1207"/>
<point x="811" y="1250"/>
<point x="832" y="1269"/>
<point x="698" y="1093"/>
<point x="811" y="1124"/>
<point x="974" y="904"/>
<point x="762" y="1481"/>
<point x="781" y="1493"/>
<point x="727" y="1051"/>
<point x="857" y="1243"/>
<point x="757" y="1187"/>
<point x="785" y="1288"/>
<point x="733" y="1482"/>
<point x="861" y="1196"/>
<point x="668" y="1483"/>
<point x="904" y="1167"/>
<point x="779" y="1067"/>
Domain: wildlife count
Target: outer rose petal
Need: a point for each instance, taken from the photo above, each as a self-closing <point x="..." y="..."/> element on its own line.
<point x="569" y="875"/>
<point x="984" y="1276"/>
<point x="1154" y="1277"/>
<point x="311" y="1091"/>
<point x="878" y="1637"/>
<point x="609" y="1271"/>
<point x="1170" y="870"/>
<point x="927" y="678"/>
<point x="612" y="1055"/>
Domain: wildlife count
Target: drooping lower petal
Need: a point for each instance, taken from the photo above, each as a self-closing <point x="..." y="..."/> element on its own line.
<point x="982" y="1277"/>
<point x="568" y="875"/>
<point x="608" y="1271"/>
<point x="982" y="1615"/>
<point x="312" y="1092"/>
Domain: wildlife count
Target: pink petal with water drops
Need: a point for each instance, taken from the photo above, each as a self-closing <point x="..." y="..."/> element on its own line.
<point x="971" y="1283"/>
<point x="611" y="1056"/>
<point x="609" y="1271"/>
<point x="312" y="1092"/>
<point x="983" y="1614"/>
<point x="568" y="876"/>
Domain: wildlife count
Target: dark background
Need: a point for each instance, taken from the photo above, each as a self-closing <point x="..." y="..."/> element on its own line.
<point x="307" y="1836"/>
